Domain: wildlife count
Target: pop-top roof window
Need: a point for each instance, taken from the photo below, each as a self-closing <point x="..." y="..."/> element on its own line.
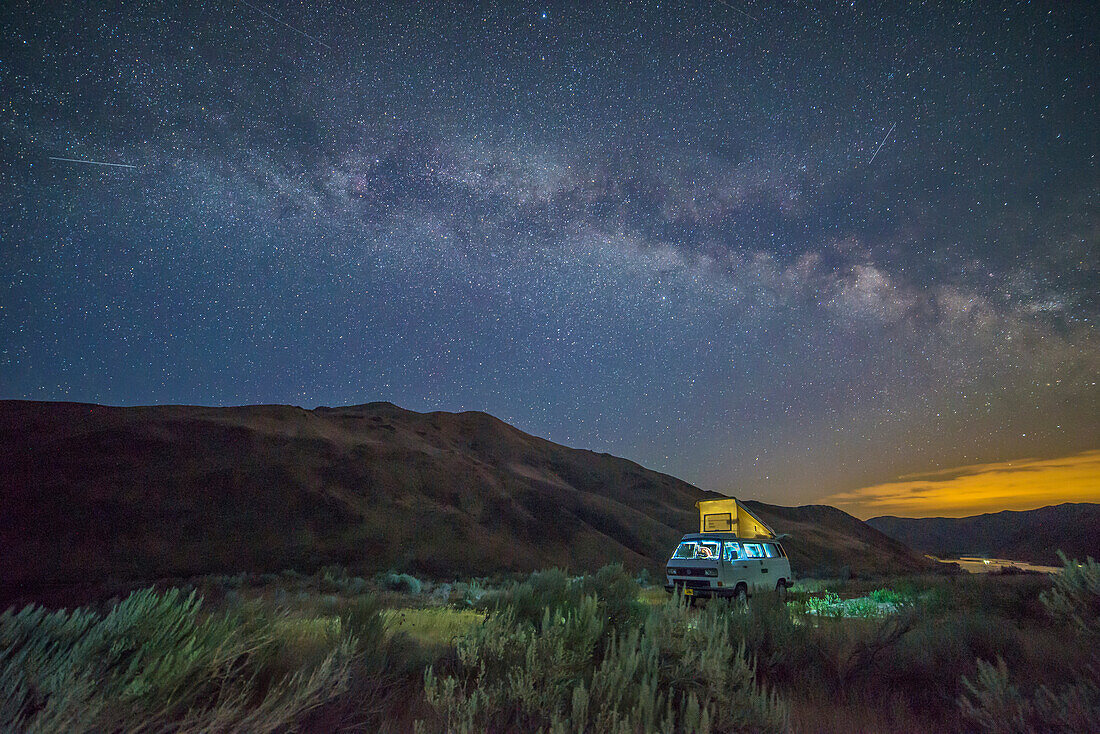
<point x="718" y="523"/>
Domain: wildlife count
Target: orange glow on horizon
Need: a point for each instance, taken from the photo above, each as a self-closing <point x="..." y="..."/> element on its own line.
<point x="980" y="488"/>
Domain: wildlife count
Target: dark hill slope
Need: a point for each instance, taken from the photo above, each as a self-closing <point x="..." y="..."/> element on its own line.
<point x="825" y="541"/>
<point x="89" y="492"/>
<point x="1033" y="536"/>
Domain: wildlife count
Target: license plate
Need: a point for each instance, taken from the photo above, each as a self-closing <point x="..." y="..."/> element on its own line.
<point x="689" y="592"/>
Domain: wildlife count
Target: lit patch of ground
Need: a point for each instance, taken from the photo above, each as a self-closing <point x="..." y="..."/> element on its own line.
<point x="988" y="565"/>
<point x="434" y="625"/>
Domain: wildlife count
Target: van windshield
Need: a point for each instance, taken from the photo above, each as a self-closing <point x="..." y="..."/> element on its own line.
<point x="702" y="549"/>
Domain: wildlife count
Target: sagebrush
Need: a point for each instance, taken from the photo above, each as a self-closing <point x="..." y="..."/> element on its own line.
<point x="574" y="672"/>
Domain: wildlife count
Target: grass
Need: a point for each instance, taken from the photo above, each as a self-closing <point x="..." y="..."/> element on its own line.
<point x="433" y="627"/>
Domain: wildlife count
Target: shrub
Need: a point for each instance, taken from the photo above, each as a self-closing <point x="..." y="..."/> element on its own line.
<point x="1075" y="597"/>
<point x="887" y="596"/>
<point x="827" y="603"/>
<point x="849" y="653"/>
<point x="357" y="585"/>
<point x="616" y="595"/>
<point x="466" y="595"/>
<point x="575" y="673"/>
<point x="402" y="582"/>
<point x="933" y="657"/>
<point x="809" y="586"/>
<point x="383" y="671"/>
<point x="528" y="599"/>
<point x="1008" y="597"/>
<point x="862" y="607"/>
<point x="152" y="662"/>
<point x="614" y="591"/>
<point x="999" y="705"/>
<point x="782" y="648"/>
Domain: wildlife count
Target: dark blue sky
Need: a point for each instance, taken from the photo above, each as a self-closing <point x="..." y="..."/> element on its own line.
<point x="776" y="249"/>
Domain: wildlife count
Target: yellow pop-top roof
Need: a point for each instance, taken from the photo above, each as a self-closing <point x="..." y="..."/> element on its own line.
<point x="730" y="516"/>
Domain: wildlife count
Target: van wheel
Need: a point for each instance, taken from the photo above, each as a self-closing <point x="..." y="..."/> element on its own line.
<point x="740" y="598"/>
<point x="781" y="589"/>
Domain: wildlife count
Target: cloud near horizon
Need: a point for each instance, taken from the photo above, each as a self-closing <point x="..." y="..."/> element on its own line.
<point x="1024" y="484"/>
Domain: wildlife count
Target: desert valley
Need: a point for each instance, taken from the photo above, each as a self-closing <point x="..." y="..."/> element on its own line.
<point x="379" y="557"/>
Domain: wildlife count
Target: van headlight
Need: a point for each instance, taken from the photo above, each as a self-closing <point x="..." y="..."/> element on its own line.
<point x="711" y="572"/>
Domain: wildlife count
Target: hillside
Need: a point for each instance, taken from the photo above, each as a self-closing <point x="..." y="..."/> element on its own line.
<point x="825" y="541"/>
<point x="1033" y="536"/>
<point x="91" y="492"/>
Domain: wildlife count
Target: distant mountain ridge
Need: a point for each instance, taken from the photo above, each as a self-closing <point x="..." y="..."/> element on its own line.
<point x="1033" y="536"/>
<point x="828" y="539"/>
<point x="90" y="492"/>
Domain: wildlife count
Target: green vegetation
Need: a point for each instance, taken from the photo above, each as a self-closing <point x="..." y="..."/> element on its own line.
<point x="823" y="604"/>
<point x="887" y="596"/>
<point x="878" y="603"/>
<point x="554" y="653"/>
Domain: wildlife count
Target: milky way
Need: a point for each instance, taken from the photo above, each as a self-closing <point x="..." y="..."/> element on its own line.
<point x="772" y="248"/>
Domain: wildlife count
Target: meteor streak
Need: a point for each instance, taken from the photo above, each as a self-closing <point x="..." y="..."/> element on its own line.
<point x="739" y="10"/>
<point x="93" y="163"/>
<point x="882" y="143"/>
<point x="261" y="11"/>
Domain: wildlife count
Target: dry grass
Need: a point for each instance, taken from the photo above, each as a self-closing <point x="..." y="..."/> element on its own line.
<point x="432" y="627"/>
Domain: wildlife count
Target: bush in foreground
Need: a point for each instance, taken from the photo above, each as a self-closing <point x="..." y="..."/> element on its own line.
<point x="574" y="672"/>
<point x="154" y="663"/>
<point x="999" y="705"/>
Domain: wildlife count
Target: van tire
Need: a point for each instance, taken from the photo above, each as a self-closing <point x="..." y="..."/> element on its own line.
<point x="781" y="589"/>
<point x="740" y="599"/>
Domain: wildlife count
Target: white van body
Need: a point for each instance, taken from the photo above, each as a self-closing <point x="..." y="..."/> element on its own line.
<point x="720" y="565"/>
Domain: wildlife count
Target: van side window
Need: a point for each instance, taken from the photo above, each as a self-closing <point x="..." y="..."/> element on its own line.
<point x="731" y="552"/>
<point x="708" y="549"/>
<point x="781" y="551"/>
<point x="753" y="550"/>
<point x="769" y="550"/>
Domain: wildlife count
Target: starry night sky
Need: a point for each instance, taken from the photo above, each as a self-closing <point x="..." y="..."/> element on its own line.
<point x="773" y="248"/>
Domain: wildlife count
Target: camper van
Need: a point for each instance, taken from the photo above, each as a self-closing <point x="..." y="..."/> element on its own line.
<point x="733" y="554"/>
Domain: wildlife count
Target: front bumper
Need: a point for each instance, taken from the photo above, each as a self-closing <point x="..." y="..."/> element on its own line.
<point x="705" y="592"/>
